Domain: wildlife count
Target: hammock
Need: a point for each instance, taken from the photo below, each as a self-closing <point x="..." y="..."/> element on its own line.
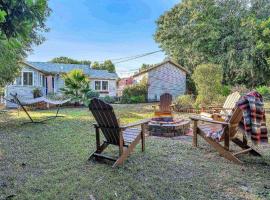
<point x="26" y="102"/>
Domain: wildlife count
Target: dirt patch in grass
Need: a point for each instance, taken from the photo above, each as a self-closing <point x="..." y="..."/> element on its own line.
<point x="49" y="161"/>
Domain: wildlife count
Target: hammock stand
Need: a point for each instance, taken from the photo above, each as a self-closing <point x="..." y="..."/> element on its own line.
<point x="24" y="103"/>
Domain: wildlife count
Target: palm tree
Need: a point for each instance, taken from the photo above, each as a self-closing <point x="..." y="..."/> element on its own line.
<point x="76" y="86"/>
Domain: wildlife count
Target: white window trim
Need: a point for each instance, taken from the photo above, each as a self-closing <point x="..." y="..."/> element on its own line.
<point x="101" y="84"/>
<point x="22" y="80"/>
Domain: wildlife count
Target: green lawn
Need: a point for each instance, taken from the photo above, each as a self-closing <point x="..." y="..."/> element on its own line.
<point x="49" y="161"/>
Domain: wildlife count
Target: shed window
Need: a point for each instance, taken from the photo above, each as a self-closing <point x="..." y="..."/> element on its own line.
<point x="28" y="78"/>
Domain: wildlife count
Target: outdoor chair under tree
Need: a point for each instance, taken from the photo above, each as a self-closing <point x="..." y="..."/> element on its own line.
<point x="125" y="137"/>
<point x="165" y="106"/>
<point x="223" y="132"/>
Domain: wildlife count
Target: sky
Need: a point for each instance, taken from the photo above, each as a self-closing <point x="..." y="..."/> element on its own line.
<point x="97" y="30"/>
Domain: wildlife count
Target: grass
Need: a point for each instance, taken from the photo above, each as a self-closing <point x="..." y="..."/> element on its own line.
<point x="49" y="161"/>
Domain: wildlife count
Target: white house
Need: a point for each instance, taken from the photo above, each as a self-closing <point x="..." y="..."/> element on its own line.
<point x="166" y="77"/>
<point x="46" y="76"/>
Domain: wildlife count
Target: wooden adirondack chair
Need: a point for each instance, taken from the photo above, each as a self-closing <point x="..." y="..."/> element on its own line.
<point x="164" y="106"/>
<point x="218" y="113"/>
<point x="230" y="129"/>
<point x="126" y="137"/>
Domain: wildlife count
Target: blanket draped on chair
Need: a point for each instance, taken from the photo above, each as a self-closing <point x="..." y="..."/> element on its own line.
<point x="253" y="122"/>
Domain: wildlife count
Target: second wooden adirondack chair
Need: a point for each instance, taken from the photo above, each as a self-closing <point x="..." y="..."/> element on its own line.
<point x="218" y="113"/>
<point x="228" y="132"/>
<point x="125" y="137"/>
<point x="164" y="107"/>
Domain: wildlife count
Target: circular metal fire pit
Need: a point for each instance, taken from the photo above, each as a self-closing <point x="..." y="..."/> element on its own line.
<point x="172" y="128"/>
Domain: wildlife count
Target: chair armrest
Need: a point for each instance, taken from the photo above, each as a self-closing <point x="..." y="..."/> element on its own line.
<point x="198" y="118"/>
<point x="144" y="121"/>
<point x="96" y="125"/>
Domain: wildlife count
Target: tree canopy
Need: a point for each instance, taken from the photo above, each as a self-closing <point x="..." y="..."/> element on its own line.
<point x="107" y="65"/>
<point x="67" y="60"/>
<point x="145" y="66"/>
<point x="21" y="25"/>
<point x="232" y="33"/>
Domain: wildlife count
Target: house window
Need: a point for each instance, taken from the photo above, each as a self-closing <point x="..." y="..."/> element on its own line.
<point x="27" y="78"/>
<point x="104" y="85"/>
<point x="101" y="85"/>
<point x="97" y="85"/>
<point x="43" y="81"/>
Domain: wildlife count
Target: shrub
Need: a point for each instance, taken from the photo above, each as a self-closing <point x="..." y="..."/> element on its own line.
<point x="37" y="93"/>
<point x="207" y="78"/>
<point x="109" y="99"/>
<point x="92" y="94"/>
<point x="137" y="99"/>
<point x="225" y="90"/>
<point x="264" y="91"/>
<point x="184" y="101"/>
<point x="135" y="93"/>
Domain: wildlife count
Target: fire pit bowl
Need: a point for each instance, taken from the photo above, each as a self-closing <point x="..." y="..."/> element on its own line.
<point x="168" y="127"/>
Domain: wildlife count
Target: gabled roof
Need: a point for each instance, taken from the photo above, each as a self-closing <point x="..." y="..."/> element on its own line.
<point x="58" y="68"/>
<point x="160" y="64"/>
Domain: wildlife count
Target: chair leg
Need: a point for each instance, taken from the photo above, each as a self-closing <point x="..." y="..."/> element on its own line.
<point x="222" y="151"/>
<point x="195" y="134"/>
<point x="98" y="151"/>
<point x="126" y="152"/>
<point x="244" y="145"/>
<point x="143" y="137"/>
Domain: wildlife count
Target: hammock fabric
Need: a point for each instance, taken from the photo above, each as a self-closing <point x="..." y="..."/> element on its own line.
<point x="42" y="99"/>
<point x="25" y="102"/>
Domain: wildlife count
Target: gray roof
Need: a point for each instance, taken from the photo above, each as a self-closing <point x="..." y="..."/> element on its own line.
<point x="57" y="68"/>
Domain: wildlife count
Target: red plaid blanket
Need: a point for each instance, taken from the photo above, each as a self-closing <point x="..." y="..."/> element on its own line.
<point x="253" y="123"/>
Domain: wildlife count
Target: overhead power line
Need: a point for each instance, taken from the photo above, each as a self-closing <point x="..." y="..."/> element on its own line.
<point x="138" y="56"/>
<point x="125" y="59"/>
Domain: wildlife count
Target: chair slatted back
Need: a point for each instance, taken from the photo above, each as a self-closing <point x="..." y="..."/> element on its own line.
<point x="230" y="103"/>
<point x="106" y="120"/>
<point x="165" y="102"/>
<point x="235" y="120"/>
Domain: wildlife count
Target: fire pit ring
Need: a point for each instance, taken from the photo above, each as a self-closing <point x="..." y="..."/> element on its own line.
<point x="174" y="128"/>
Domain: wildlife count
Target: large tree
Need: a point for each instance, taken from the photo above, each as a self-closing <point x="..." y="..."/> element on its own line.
<point x="145" y="67"/>
<point x="67" y="60"/>
<point x="106" y="65"/>
<point x="21" y="25"/>
<point x="232" y="33"/>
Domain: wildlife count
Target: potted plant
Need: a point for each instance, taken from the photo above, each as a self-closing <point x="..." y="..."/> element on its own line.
<point x="37" y="93"/>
